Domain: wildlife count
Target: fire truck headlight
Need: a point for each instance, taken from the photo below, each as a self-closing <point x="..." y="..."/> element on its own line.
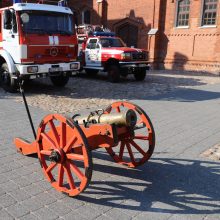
<point x="126" y="56"/>
<point x="32" y="69"/>
<point x="74" y="66"/>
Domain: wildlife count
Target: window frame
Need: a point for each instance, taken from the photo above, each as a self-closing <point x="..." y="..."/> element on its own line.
<point x="177" y="13"/>
<point x="202" y="15"/>
<point x="84" y="17"/>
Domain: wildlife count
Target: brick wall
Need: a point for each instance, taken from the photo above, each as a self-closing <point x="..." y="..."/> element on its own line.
<point x="192" y="48"/>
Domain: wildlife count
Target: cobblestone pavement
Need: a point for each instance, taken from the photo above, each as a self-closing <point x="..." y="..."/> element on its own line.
<point x="83" y="93"/>
<point x="175" y="184"/>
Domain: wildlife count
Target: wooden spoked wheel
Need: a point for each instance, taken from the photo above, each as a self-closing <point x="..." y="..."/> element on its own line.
<point x="133" y="150"/>
<point x="64" y="154"/>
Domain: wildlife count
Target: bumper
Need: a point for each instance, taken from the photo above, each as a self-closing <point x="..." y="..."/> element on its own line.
<point x="48" y="68"/>
<point x="136" y="64"/>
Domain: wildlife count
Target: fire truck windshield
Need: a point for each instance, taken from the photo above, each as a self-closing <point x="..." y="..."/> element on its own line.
<point x="112" y="42"/>
<point x="41" y="22"/>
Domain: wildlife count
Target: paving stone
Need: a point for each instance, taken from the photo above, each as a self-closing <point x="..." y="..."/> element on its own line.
<point x="116" y="213"/>
<point x="59" y="208"/>
<point x="18" y="210"/>
<point x="88" y="212"/>
<point x="33" y="189"/>
<point x="45" y="213"/>
<point x="74" y="215"/>
<point x="19" y="195"/>
<point x="5" y="215"/>
<point x="6" y="200"/>
<point x="29" y="217"/>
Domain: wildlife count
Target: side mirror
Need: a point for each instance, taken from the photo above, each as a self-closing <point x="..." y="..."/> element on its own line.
<point x="98" y="46"/>
<point x="7" y="19"/>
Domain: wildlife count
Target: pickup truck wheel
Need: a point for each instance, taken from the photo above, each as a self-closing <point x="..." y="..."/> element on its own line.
<point x="60" y="80"/>
<point x="91" y="72"/>
<point x="113" y="73"/>
<point x="8" y="83"/>
<point x="140" y="75"/>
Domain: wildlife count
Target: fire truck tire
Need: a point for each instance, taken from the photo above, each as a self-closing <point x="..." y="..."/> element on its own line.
<point x="60" y="80"/>
<point x="113" y="73"/>
<point x="140" y="75"/>
<point x="91" y="72"/>
<point x="7" y="82"/>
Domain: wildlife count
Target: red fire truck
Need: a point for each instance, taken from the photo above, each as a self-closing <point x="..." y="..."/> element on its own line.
<point x="102" y="50"/>
<point x="37" y="39"/>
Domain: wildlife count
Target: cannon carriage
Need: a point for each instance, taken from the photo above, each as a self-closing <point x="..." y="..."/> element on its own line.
<point x="63" y="145"/>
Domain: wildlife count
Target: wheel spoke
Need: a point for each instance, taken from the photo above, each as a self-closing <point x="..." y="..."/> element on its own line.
<point x="55" y="133"/>
<point x="60" y="175"/>
<point x="121" y="152"/>
<point x="70" y="144"/>
<point x="118" y="109"/>
<point x="45" y="152"/>
<point x="130" y="152"/>
<point x="63" y="135"/>
<point x="141" y="137"/>
<point x="49" y="140"/>
<point x="69" y="176"/>
<point x="51" y="167"/>
<point x="139" y="121"/>
<point x="77" y="171"/>
<point x="72" y="156"/>
<point x="138" y="147"/>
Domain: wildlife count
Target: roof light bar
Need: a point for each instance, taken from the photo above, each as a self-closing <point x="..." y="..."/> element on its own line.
<point x="62" y="3"/>
<point x="17" y="1"/>
<point x="105" y="34"/>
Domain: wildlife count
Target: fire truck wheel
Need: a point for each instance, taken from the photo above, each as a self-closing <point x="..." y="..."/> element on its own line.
<point x="8" y="83"/>
<point x="113" y="73"/>
<point x="140" y="75"/>
<point x="91" y="72"/>
<point x="59" y="81"/>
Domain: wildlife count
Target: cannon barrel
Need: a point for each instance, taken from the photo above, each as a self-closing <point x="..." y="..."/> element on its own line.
<point x="125" y="118"/>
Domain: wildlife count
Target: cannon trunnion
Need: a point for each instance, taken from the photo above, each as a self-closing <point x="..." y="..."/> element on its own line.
<point x="64" y="145"/>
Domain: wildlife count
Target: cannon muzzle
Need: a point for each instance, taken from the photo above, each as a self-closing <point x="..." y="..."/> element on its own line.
<point x="125" y="118"/>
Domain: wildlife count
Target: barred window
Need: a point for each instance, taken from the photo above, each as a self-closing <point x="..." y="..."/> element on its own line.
<point x="183" y="7"/>
<point x="209" y="12"/>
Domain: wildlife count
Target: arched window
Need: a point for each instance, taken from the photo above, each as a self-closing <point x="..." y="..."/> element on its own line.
<point x="182" y="18"/>
<point x="209" y="12"/>
<point x="86" y="17"/>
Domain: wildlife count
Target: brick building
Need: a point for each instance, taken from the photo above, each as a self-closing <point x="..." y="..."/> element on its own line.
<point x="188" y="35"/>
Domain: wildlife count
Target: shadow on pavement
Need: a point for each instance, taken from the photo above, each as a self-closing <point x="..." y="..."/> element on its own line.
<point x="162" y="185"/>
<point x="83" y="87"/>
<point x="187" y="95"/>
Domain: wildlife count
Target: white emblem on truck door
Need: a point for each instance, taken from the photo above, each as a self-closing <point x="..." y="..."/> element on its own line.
<point x="53" y="40"/>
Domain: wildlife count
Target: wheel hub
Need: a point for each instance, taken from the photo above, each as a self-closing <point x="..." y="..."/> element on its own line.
<point x="55" y="156"/>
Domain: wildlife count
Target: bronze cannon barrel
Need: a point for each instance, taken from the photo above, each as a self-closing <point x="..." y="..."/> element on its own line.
<point x="125" y="118"/>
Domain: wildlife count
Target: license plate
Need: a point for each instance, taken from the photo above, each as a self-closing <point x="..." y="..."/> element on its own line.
<point x="55" y="69"/>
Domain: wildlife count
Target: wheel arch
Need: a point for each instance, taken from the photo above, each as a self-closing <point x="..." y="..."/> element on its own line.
<point x="111" y="61"/>
<point x="5" y="57"/>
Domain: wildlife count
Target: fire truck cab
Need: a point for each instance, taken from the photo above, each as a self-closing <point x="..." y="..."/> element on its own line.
<point x="104" y="51"/>
<point x="37" y="40"/>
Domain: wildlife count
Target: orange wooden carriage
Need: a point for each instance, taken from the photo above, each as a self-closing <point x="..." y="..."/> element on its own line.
<point x="64" y="146"/>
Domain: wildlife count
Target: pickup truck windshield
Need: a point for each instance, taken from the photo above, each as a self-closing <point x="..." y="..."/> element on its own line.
<point x="41" y="22"/>
<point x="112" y="42"/>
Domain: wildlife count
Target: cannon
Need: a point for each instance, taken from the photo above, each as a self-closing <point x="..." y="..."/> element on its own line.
<point x="63" y="144"/>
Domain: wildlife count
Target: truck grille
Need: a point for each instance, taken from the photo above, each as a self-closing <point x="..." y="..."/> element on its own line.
<point x="139" y="56"/>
